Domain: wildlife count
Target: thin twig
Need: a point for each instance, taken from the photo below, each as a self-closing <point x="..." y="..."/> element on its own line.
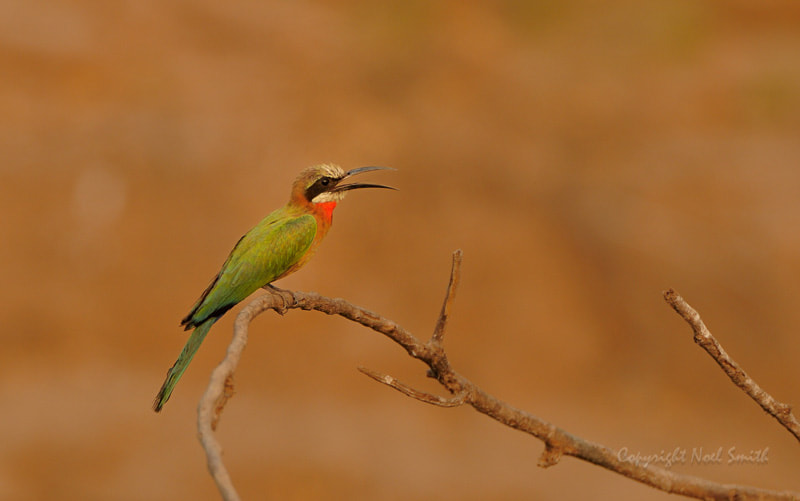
<point x="455" y="279"/>
<point x="422" y="396"/>
<point x="702" y="336"/>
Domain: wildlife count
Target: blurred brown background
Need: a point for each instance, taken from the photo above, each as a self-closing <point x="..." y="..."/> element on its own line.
<point x="584" y="156"/>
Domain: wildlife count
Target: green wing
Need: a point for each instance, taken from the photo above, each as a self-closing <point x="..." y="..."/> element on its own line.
<point x="262" y="255"/>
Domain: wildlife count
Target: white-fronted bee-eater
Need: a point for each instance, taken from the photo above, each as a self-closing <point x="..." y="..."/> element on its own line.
<point x="277" y="246"/>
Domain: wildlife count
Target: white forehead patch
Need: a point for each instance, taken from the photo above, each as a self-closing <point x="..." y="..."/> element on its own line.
<point x="333" y="170"/>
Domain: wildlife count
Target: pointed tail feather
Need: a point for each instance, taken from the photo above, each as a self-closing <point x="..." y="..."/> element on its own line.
<point x="176" y="371"/>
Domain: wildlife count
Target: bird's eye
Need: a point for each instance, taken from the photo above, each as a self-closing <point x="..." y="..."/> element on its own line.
<point x="325" y="181"/>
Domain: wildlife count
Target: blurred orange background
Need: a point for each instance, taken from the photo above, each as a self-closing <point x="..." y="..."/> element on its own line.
<point x="584" y="156"/>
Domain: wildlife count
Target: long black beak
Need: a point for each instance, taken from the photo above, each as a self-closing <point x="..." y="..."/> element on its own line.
<point x="353" y="186"/>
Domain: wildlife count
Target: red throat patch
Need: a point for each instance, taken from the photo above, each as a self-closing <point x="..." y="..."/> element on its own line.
<point x="325" y="209"/>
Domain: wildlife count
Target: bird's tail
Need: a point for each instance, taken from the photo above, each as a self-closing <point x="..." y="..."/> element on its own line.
<point x="176" y="371"/>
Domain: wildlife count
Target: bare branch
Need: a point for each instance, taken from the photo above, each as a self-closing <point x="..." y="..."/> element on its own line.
<point x="557" y="442"/>
<point x="220" y="389"/>
<point x="702" y="336"/>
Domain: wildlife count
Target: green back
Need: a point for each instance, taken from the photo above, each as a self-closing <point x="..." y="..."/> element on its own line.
<point x="273" y="246"/>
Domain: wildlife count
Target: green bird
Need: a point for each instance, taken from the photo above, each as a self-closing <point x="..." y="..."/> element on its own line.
<point x="277" y="246"/>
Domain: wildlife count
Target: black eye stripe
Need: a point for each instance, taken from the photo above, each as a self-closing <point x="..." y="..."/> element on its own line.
<point x="320" y="185"/>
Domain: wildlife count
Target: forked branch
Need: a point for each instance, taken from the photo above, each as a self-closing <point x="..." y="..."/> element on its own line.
<point x="557" y="441"/>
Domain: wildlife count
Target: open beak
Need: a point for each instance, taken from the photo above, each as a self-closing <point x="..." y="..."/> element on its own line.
<point x="353" y="186"/>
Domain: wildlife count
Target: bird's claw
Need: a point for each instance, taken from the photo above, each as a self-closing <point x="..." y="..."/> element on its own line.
<point x="282" y="293"/>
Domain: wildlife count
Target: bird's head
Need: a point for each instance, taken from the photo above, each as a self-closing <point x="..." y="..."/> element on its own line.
<point x="323" y="183"/>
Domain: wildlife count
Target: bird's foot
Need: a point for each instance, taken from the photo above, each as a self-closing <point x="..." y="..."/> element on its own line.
<point x="283" y="294"/>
